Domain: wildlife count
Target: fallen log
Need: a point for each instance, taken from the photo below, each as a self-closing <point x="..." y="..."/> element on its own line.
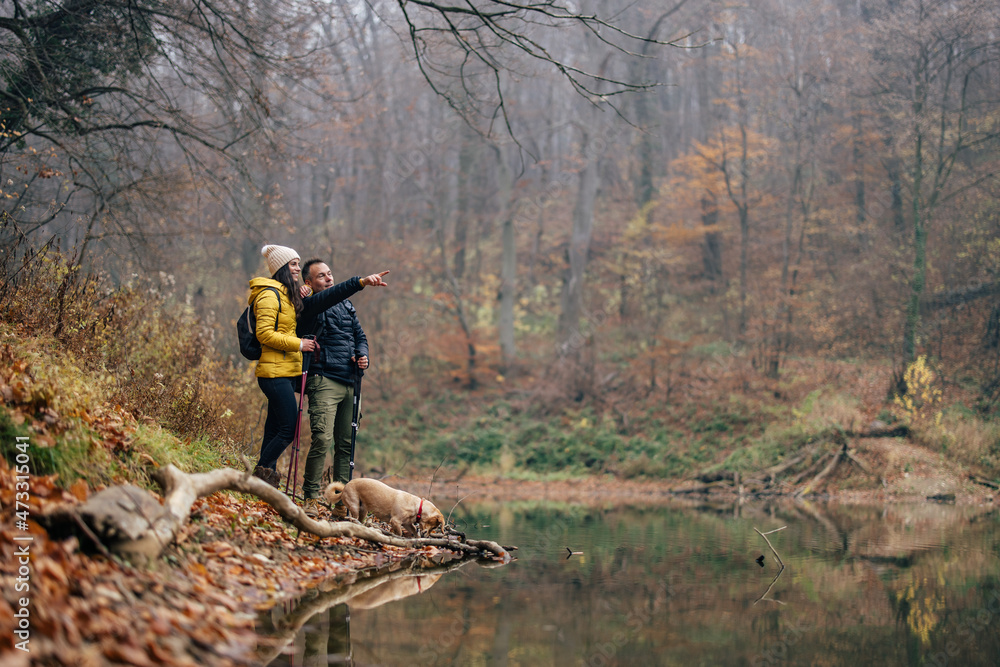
<point x="128" y="521"/>
<point x="834" y="460"/>
<point x="718" y="476"/>
<point x="880" y="432"/>
<point x="700" y="488"/>
<point x="816" y="465"/>
<point x="850" y="454"/>
<point x="984" y="482"/>
<point x="776" y="470"/>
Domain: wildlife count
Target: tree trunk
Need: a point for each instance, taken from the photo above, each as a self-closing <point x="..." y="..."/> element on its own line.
<point x="782" y="315"/>
<point x="711" y="253"/>
<point x="508" y="269"/>
<point x="466" y="186"/>
<point x="458" y="308"/>
<point x="859" y="177"/>
<point x="919" y="278"/>
<point x="570" y="339"/>
<point x="896" y="194"/>
<point x="744" y="213"/>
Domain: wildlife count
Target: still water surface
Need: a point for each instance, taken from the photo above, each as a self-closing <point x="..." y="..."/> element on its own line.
<point x="676" y="585"/>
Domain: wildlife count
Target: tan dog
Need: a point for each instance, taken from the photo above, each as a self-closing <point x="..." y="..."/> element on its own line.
<point x="405" y="513"/>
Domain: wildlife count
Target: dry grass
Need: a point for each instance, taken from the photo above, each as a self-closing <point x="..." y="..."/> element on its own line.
<point x="135" y="347"/>
<point x="964" y="438"/>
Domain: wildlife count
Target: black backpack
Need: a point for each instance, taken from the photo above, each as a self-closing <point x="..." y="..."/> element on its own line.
<point x="246" y="329"/>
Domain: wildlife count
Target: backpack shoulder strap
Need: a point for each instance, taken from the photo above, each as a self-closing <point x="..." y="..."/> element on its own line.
<point x="277" y="294"/>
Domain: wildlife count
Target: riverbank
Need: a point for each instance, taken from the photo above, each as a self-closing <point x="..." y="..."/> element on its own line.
<point x="898" y="472"/>
<point x="196" y="605"/>
<point x="199" y="603"/>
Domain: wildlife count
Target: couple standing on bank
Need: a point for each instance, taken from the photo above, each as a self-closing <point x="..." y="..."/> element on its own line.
<point x="321" y="309"/>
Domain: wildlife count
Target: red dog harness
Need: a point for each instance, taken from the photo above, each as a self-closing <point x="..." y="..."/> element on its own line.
<point x="420" y="512"/>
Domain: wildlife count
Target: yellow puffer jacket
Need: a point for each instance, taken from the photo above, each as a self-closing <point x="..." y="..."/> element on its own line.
<point x="280" y="355"/>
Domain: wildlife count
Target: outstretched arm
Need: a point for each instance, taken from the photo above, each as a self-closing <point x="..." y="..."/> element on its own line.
<point x="329" y="297"/>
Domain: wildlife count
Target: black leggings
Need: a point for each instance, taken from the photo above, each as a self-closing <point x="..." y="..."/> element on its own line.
<point x="282" y="414"/>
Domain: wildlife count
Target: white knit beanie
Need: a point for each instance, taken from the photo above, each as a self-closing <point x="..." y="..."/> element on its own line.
<point x="277" y="256"/>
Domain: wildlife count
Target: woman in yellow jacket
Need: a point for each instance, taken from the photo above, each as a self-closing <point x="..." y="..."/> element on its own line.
<point x="280" y="365"/>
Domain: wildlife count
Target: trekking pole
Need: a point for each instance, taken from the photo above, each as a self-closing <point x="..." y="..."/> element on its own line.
<point x="293" y="468"/>
<point x="292" y="479"/>
<point x="356" y="417"/>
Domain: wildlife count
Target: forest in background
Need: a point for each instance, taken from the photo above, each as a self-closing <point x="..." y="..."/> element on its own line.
<point x="630" y="244"/>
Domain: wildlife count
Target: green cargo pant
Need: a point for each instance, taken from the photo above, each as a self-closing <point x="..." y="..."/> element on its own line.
<point x="331" y="406"/>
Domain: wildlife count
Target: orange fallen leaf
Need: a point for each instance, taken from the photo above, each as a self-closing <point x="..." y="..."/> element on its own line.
<point x="130" y="655"/>
<point x="50" y="568"/>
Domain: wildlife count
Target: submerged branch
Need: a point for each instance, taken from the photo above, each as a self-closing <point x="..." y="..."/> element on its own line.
<point x="764" y="535"/>
<point x="781" y="567"/>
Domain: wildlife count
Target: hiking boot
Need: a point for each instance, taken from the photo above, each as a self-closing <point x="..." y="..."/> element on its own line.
<point x="311" y="507"/>
<point x="269" y="475"/>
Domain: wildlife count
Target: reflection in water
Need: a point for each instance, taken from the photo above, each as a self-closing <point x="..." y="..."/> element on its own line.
<point x="777" y="557"/>
<point x="678" y="585"/>
<point x="320" y="621"/>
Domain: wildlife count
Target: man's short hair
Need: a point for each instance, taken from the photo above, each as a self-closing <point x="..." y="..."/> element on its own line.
<point x="307" y="267"/>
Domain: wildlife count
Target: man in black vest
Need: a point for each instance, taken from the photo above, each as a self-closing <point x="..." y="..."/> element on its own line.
<point x="343" y="347"/>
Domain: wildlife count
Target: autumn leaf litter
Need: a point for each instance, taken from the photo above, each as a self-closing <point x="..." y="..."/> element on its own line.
<point x="196" y="605"/>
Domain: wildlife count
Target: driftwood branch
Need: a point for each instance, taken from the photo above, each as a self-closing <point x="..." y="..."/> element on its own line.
<point x="816" y="465"/>
<point x="764" y="595"/>
<point x="781" y="565"/>
<point x="886" y="432"/>
<point x="849" y="453"/>
<point x="128" y="520"/>
<point x="776" y="470"/>
<point x="773" y="551"/>
<point x="984" y="482"/>
<point x="717" y="476"/>
<point x="823" y="474"/>
<point x="799" y="474"/>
